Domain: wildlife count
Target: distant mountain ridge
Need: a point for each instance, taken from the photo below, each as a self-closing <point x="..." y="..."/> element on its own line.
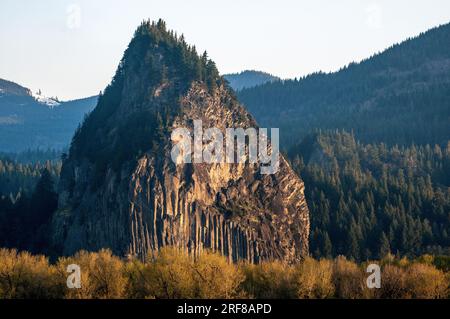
<point x="248" y="79"/>
<point x="11" y="88"/>
<point x="399" y="96"/>
<point x="27" y="120"/>
<point x="30" y="121"/>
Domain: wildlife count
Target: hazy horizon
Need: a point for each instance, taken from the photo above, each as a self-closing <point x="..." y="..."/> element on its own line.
<point x="71" y="49"/>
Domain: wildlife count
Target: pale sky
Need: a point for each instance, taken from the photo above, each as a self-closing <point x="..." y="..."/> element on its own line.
<point x="71" y="49"/>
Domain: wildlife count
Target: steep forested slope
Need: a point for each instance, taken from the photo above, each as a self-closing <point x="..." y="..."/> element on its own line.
<point x="367" y="200"/>
<point x="400" y="96"/>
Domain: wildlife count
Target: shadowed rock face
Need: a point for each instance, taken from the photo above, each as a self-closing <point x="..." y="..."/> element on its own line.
<point x="147" y="202"/>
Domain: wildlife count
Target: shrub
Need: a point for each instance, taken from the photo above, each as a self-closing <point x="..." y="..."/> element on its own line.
<point x="215" y="277"/>
<point x="273" y="280"/>
<point x="102" y="275"/>
<point x="442" y="263"/>
<point x="348" y="279"/>
<point x="137" y="285"/>
<point x="426" y="282"/>
<point x="169" y="276"/>
<point x="23" y="276"/>
<point x="393" y="283"/>
<point x="174" y="274"/>
<point x="314" y="279"/>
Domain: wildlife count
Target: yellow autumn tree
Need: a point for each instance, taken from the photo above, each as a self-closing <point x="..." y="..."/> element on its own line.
<point x="137" y="284"/>
<point x="425" y="281"/>
<point x="102" y="275"/>
<point x="169" y="275"/>
<point x="314" y="279"/>
<point x="393" y="283"/>
<point x="215" y="277"/>
<point x="274" y="280"/>
<point x="349" y="280"/>
<point x="23" y="276"/>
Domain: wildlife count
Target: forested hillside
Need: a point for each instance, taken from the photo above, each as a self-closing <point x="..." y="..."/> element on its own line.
<point x="367" y="200"/>
<point x="27" y="201"/>
<point x="400" y="96"/>
<point x="18" y="175"/>
<point x="384" y="188"/>
<point x="30" y="121"/>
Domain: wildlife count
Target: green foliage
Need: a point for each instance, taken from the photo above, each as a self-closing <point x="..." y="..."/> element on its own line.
<point x="25" y="218"/>
<point x="19" y="175"/>
<point x="132" y="114"/>
<point x="34" y="156"/>
<point x="368" y="200"/>
<point x="442" y="263"/>
<point x="400" y="96"/>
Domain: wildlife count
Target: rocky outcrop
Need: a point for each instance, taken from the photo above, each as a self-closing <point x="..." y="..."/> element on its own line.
<point x="149" y="202"/>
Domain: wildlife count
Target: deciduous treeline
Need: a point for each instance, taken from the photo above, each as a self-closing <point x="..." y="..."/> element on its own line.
<point x="174" y="274"/>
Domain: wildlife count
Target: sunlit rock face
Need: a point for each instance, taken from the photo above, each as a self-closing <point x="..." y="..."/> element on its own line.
<point x="120" y="189"/>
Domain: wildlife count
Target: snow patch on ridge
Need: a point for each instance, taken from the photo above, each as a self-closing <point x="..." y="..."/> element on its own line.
<point x="49" y="101"/>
